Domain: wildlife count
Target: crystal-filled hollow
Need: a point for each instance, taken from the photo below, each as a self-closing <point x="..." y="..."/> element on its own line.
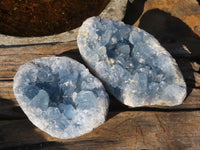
<point x="131" y="63"/>
<point x="60" y="96"/>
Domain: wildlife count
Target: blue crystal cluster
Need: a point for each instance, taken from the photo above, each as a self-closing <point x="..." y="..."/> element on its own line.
<point x="132" y="64"/>
<point x="60" y="96"/>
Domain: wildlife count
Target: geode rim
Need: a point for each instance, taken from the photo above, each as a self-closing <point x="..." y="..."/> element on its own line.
<point x="60" y="96"/>
<point x="131" y="63"/>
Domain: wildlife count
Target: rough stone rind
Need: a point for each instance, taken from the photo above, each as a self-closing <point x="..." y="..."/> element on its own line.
<point x="134" y="67"/>
<point x="60" y="96"/>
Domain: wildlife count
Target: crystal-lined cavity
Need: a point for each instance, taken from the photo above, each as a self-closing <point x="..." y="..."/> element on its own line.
<point x="60" y="96"/>
<point x="134" y="67"/>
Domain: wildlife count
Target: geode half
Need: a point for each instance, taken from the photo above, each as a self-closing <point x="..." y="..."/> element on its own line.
<point x="60" y="96"/>
<point x="132" y="64"/>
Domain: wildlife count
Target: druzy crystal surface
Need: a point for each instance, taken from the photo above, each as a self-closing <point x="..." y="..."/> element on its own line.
<point x="60" y="96"/>
<point x="134" y="67"/>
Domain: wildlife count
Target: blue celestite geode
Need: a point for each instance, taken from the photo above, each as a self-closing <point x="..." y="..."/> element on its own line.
<point x="60" y="96"/>
<point x="132" y="64"/>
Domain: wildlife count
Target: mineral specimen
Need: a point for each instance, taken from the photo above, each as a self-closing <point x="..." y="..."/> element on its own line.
<point x="132" y="64"/>
<point x="60" y="96"/>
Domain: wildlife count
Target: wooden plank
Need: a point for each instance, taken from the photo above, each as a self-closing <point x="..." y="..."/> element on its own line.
<point x="10" y="110"/>
<point x="12" y="57"/>
<point x="126" y="130"/>
<point x="6" y="88"/>
<point x="192" y="101"/>
<point x="16" y="55"/>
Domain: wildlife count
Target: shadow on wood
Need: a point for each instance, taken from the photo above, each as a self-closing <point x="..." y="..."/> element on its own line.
<point x="16" y="131"/>
<point x="170" y="30"/>
<point x="74" y="54"/>
<point x="9" y="110"/>
<point x="133" y="11"/>
<point x="198" y="1"/>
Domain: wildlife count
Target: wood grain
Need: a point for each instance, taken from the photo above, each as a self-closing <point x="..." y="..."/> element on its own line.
<point x="154" y="127"/>
<point x="125" y="131"/>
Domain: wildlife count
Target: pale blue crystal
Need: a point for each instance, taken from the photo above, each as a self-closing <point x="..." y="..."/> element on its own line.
<point x="60" y="96"/>
<point x="132" y="64"/>
<point x="69" y="112"/>
<point x="83" y="100"/>
<point x="53" y="113"/>
<point x="41" y="100"/>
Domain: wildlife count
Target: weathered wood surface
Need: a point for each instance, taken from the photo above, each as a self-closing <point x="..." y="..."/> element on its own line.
<point x="186" y="10"/>
<point x="126" y="128"/>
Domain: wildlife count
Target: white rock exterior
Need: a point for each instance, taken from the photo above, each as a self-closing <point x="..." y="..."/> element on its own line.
<point x="60" y="96"/>
<point x="132" y="64"/>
